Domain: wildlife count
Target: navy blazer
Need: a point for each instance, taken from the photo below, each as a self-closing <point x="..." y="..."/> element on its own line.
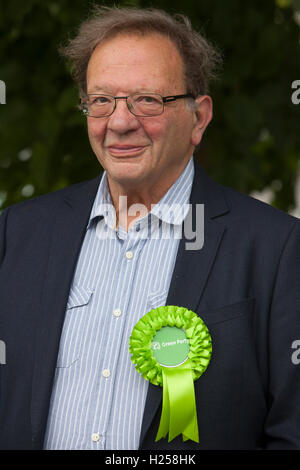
<point x="244" y="283"/>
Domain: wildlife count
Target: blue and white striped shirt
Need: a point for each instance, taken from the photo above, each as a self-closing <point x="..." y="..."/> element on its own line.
<point x="98" y="397"/>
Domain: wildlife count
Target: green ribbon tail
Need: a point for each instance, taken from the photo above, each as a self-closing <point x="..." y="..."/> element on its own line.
<point x="179" y="413"/>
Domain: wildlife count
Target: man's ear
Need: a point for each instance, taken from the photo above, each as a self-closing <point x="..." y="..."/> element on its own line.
<point x="203" y="116"/>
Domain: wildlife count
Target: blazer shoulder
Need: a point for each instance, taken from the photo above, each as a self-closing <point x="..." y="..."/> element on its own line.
<point x="258" y="216"/>
<point x="49" y="200"/>
<point x="237" y="207"/>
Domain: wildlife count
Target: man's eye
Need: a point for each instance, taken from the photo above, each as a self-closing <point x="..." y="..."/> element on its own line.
<point x="145" y="99"/>
<point x="100" y="100"/>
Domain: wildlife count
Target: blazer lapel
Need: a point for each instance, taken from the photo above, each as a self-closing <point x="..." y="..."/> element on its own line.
<point x="192" y="267"/>
<point x="68" y="230"/>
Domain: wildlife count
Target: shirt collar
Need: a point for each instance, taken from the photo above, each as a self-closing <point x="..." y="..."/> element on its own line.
<point x="172" y="208"/>
<point x="102" y="200"/>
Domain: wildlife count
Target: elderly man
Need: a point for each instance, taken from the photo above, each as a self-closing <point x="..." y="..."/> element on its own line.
<point x="76" y="276"/>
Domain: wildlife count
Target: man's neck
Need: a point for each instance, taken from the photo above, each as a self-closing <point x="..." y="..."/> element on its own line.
<point x="132" y="202"/>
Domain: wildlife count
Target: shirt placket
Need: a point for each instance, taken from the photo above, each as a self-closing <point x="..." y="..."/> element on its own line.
<point x="128" y="258"/>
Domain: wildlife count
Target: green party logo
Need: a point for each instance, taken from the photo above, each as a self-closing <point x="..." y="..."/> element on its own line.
<point x="170" y="346"/>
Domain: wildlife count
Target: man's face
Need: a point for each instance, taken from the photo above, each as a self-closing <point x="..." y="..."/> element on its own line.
<point x="140" y="152"/>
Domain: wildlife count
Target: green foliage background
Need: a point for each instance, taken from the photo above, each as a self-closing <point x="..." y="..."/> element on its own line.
<point x="253" y="141"/>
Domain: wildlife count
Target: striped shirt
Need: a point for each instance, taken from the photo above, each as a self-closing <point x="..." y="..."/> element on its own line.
<point x="98" y="397"/>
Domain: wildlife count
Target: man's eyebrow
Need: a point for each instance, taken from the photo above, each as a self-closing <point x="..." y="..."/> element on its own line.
<point x="101" y="89"/>
<point x="106" y="90"/>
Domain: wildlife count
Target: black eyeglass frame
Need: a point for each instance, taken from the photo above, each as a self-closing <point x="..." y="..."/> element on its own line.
<point x="165" y="99"/>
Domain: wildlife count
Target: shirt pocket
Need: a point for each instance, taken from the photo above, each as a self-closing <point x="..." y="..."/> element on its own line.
<point x="71" y="341"/>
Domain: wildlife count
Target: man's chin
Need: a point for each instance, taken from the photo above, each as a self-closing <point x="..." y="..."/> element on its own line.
<point x="127" y="175"/>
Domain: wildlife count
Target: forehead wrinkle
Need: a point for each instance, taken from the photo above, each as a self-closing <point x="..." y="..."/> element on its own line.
<point x="157" y="63"/>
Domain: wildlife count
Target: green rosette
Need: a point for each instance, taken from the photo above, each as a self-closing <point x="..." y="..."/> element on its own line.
<point x="179" y="413"/>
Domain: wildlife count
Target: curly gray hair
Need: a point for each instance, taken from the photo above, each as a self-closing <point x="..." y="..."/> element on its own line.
<point x="201" y="60"/>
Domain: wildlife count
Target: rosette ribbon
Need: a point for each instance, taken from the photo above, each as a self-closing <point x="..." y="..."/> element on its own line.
<point x="179" y="413"/>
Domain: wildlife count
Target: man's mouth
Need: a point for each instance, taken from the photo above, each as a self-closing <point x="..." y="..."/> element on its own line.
<point x="125" y="150"/>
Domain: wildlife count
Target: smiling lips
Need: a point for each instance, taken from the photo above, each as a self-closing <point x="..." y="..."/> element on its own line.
<point x="125" y="150"/>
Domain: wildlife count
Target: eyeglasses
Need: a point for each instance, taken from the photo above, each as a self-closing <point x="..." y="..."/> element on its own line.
<point x="139" y="104"/>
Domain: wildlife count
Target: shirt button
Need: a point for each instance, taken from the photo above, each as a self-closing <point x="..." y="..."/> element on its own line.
<point x="129" y="254"/>
<point x="95" y="437"/>
<point x="117" y="312"/>
<point x="106" y="373"/>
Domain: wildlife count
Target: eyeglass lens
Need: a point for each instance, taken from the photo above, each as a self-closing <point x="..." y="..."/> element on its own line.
<point x="139" y="104"/>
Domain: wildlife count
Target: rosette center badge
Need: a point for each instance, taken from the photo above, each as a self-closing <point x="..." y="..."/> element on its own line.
<point x="171" y="347"/>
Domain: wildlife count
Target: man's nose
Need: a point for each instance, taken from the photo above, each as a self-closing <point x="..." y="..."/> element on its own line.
<point x="122" y="120"/>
